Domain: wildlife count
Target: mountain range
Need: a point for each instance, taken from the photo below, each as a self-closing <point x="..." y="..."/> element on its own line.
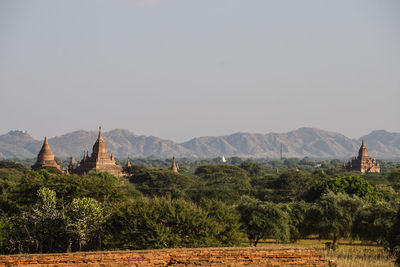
<point x="303" y="142"/>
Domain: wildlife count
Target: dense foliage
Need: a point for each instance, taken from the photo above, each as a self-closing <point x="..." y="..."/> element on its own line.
<point x="351" y="185"/>
<point x="206" y="204"/>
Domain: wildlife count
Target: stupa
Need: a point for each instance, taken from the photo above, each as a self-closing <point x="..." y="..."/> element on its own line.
<point x="174" y="166"/>
<point x="45" y="158"/>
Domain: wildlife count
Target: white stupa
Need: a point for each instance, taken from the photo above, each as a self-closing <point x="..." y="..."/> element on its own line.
<point x="223" y="159"/>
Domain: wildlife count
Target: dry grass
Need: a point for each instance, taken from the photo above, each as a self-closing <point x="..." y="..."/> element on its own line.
<point x="348" y="254"/>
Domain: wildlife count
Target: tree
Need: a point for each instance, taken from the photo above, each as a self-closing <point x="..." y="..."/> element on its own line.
<point x="85" y="218"/>
<point x="394" y="176"/>
<point x="160" y="182"/>
<point x="373" y="223"/>
<point x="50" y="225"/>
<point x="263" y="219"/>
<point x="222" y="182"/>
<point x="227" y="218"/>
<point x="42" y="229"/>
<point x="101" y="186"/>
<point x="332" y="216"/>
<point x="291" y="185"/>
<point x="164" y="223"/>
<point x="3" y="231"/>
<point x="253" y="169"/>
<point x="351" y="185"/>
<point x="394" y="238"/>
<point x="297" y="212"/>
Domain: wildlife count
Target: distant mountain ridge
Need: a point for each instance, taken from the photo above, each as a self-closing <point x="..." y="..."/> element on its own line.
<point x="303" y="142"/>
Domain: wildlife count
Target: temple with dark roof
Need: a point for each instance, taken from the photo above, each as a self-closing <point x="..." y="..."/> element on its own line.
<point x="45" y="158"/>
<point x="363" y="162"/>
<point x="99" y="160"/>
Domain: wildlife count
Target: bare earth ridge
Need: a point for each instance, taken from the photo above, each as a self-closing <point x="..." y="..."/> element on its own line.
<point x="271" y="256"/>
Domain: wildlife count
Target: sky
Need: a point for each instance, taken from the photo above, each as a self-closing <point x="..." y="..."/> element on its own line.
<point x="179" y="69"/>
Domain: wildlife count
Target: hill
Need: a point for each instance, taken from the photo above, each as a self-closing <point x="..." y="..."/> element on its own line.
<point x="303" y="142"/>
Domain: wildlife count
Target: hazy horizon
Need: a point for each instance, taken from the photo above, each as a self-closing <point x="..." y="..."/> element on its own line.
<point x="180" y="69"/>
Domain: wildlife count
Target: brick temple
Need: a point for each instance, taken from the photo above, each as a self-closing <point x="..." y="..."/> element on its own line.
<point x="99" y="160"/>
<point x="174" y="166"/>
<point x="363" y="163"/>
<point x="45" y="158"/>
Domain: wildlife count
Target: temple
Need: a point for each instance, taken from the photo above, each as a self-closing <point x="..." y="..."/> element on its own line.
<point x="99" y="160"/>
<point x="128" y="163"/>
<point x="363" y="162"/>
<point x="174" y="166"/>
<point x="45" y="158"/>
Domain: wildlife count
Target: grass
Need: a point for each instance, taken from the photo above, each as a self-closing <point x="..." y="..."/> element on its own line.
<point x="354" y="254"/>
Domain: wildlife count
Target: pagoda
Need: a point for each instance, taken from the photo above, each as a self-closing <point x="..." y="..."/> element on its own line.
<point x="363" y="163"/>
<point x="174" y="166"/>
<point x="128" y="163"/>
<point x="45" y="158"/>
<point x="99" y="160"/>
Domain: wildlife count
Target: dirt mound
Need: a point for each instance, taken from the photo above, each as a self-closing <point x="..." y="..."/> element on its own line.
<point x="279" y="256"/>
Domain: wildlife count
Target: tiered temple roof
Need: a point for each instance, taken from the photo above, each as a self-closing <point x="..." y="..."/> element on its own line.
<point x="363" y="162"/>
<point x="45" y="157"/>
<point x="99" y="159"/>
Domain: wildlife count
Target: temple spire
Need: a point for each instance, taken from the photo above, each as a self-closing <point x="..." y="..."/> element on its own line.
<point x="100" y="159"/>
<point x="174" y="167"/>
<point x="45" y="140"/>
<point x="100" y="136"/>
<point x="128" y="163"/>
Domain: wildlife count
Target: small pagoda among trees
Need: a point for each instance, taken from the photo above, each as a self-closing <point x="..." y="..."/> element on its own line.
<point x="45" y="158"/>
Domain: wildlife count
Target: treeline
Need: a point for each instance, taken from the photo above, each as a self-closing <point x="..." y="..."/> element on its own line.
<point x="213" y="205"/>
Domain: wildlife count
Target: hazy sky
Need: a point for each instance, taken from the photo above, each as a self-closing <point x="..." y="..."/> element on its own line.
<point x="178" y="69"/>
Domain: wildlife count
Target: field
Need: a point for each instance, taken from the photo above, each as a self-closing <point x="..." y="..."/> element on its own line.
<point x="348" y="254"/>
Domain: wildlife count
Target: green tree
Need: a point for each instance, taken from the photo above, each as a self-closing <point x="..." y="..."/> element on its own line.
<point x="263" y="219"/>
<point x="101" y="186"/>
<point x="227" y="222"/>
<point x="160" y="182"/>
<point x="297" y="212"/>
<point x="164" y="223"/>
<point x="42" y="229"/>
<point x="351" y="185"/>
<point x="332" y="216"/>
<point x="394" y="238"/>
<point x="85" y="218"/>
<point x="3" y="231"/>
<point x="291" y="185"/>
<point x="373" y="223"/>
<point x="394" y="176"/>
<point x="222" y="182"/>
<point x="253" y="169"/>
